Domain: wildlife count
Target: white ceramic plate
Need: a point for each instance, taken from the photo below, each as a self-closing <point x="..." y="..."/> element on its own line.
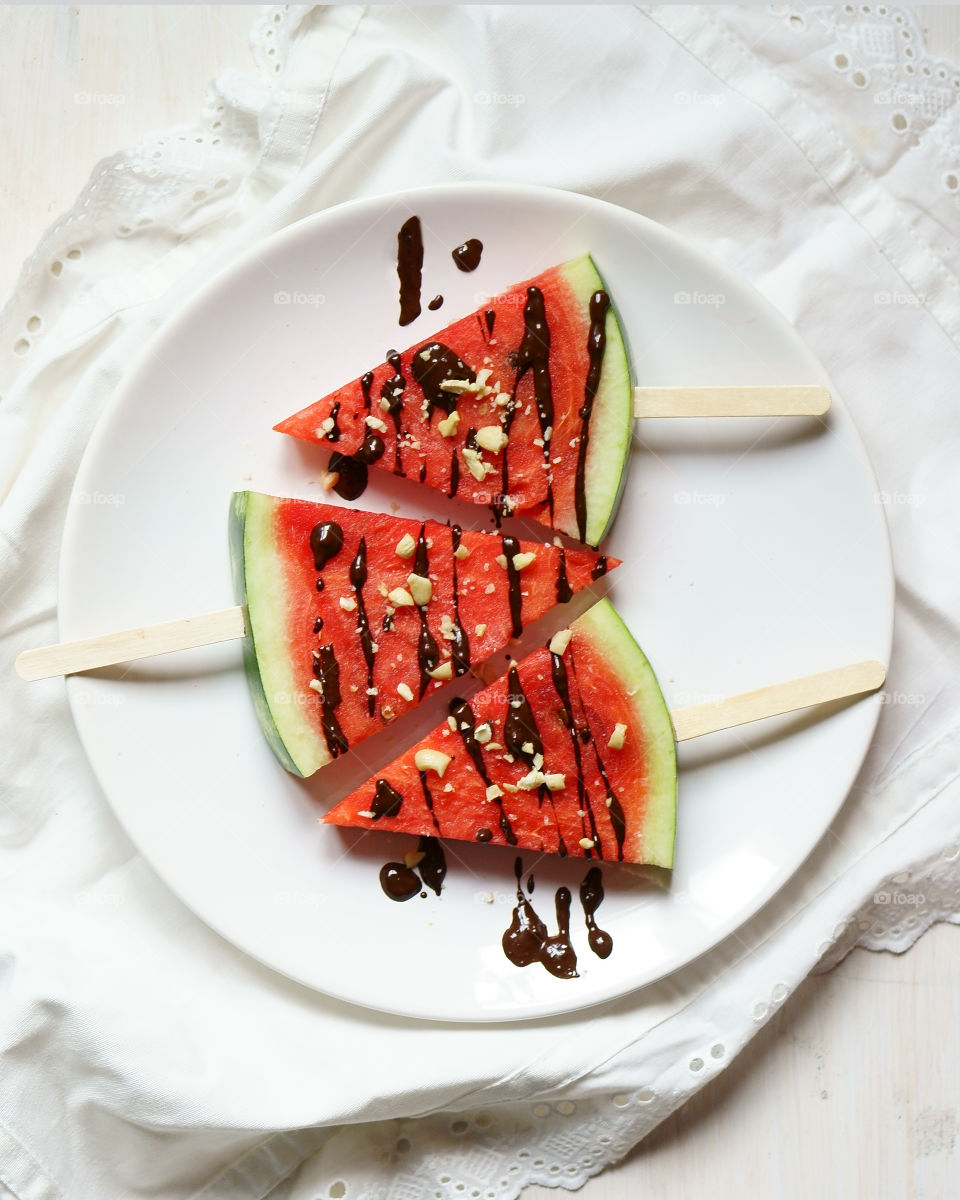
<point x="754" y="551"/>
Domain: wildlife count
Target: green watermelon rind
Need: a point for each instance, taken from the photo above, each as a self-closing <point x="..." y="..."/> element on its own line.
<point x="258" y="575"/>
<point x="611" y="421"/>
<point x="631" y="669"/>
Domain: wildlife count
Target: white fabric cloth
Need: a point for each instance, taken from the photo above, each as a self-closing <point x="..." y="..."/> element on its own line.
<point x="816" y="154"/>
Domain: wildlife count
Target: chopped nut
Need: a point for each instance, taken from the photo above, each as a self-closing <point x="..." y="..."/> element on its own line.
<point x="555" y="781"/>
<point x="527" y="747"/>
<point x="387" y="713"/>
<point x="444" y="671"/>
<point x="475" y="464"/>
<point x="382" y="589"/>
<point x="509" y="787"/>
<point x="330" y="480"/>
<point x="421" y="589"/>
<point x="531" y="781"/>
<point x="366" y="814"/>
<point x="587" y="843"/>
<point x="315" y="685"/>
<point x="406" y="546"/>
<point x="325" y="426"/>
<point x="377" y="424"/>
<point x="502" y="561"/>
<point x="560" y="641"/>
<point x="483" y="733"/>
<point x="490" y="589"/>
<point x="432" y="760"/>
<point x="384" y="405"/>
<point x="618" y="737"/>
<point x="404" y="692"/>
<point x="451" y="721"/>
<point x="493" y="792"/>
<point x="487" y="897"/>
<point x="461" y="553"/>
<point x="347" y="603"/>
<point x="492" y="438"/>
<point x="523" y="559"/>
<point x="480" y="629"/>
<point x="400" y="598"/>
<point x="449" y="425"/>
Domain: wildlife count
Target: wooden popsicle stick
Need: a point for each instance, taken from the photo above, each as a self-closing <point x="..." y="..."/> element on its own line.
<point x="852" y="680"/>
<point x="126" y="645"/>
<point x="806" y="400"/>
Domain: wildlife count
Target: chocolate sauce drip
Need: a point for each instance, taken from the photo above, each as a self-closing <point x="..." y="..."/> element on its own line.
<point x="561" y="685"/>
<point x="461" y="643"/>
<point x="398" y="882"/>
<point x="596" y="344"/>
<point x="482" y="835"/>
<point x="454" y="473"/>
<point x="435" y="303"/>
<point x="433" y="365"/>
<point x="489" y="317"/>
<point x="371" y="449"/>
<point x="333" y="434"/>
<point x="533" y="355"/>
<point x="320" y="585"/>
<point x="526" y="941"/>
<point x="599" y="567"/>
<point x="614" y="808"/>
<point x="428" y="652"/>
<point x="352" y="475"/>
<point x="410" y="268"/>
<point x="523" y="940"/>
<point x="387" y="801"/>
<point x="423" y="468"/>
<point x="366" y="383"/>
<point x="467" y="256"/>
<point x="462" y="713"/>
<point x="358" y="577"/>
<point x="564" y="590"/>
<point x="326" y="670"/>
<point x="511" y="547"/>
<point x="433" y="865"/>
<point x="326" y="542"/>
<point x="520" y="727"/>
<point x="557" y="953"/>
<point x="392" y="393"/>
<point x="591" y="897"/>
<point x="428" y="799"/>
<point x="318" y="625"/>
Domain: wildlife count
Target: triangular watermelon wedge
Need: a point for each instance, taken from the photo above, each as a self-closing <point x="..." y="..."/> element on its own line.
<point x="524" y="405"/>
<point x="572" y="752"/>
<point x="343" y="640"/>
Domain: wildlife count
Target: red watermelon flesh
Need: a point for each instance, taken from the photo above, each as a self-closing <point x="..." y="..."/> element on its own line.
<point x="336" y="653"/>
<point x="572" y="752"/>
<point x="524" y="405"/>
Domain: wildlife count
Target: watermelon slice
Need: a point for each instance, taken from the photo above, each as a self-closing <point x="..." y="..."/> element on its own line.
<point x="525" y="405"/>
<point x="354" y="616"/>
<point x="572" y="752"/>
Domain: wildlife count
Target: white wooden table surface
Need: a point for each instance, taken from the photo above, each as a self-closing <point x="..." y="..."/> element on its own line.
<point x="851" y="1091"/>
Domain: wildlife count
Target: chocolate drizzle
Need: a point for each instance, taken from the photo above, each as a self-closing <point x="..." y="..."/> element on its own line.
<point x="460" y="644"/>
<point x="599" y="567"/>
<point x="358" y="577"/>
<point x="433" y="865"/>
<point x="435" y="364"/>
<point x="428" y="652"/>
<point x="391" y="393"/>
<point x="398" y="881"/>
<point x="467" y="256"/>
<point x="561" y="685"/>
<point x="511" y="547"/>
<point x="489" y="317"/>
<point x="387" y="801"/>
<point x="326" y="670"/>
<point x="462" y="713"/>
<point x="596" y="344"/>
<point x="326" y="542"/>
<point x="366" y="383"/>
<point x="520" y="728"/>
<point x="526" y="940"/>
<point x="533" y="355"/>
<point x="351" y="475"/>
<point x="410" y="268"/>
<point x="435" y="303"/>
<point x="591" y="897"/>
<point x="613" y="805"/>
<point x="564" y="590"/>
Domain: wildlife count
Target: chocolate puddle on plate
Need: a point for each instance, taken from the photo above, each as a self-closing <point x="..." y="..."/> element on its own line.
<point x="526" y="940"/>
